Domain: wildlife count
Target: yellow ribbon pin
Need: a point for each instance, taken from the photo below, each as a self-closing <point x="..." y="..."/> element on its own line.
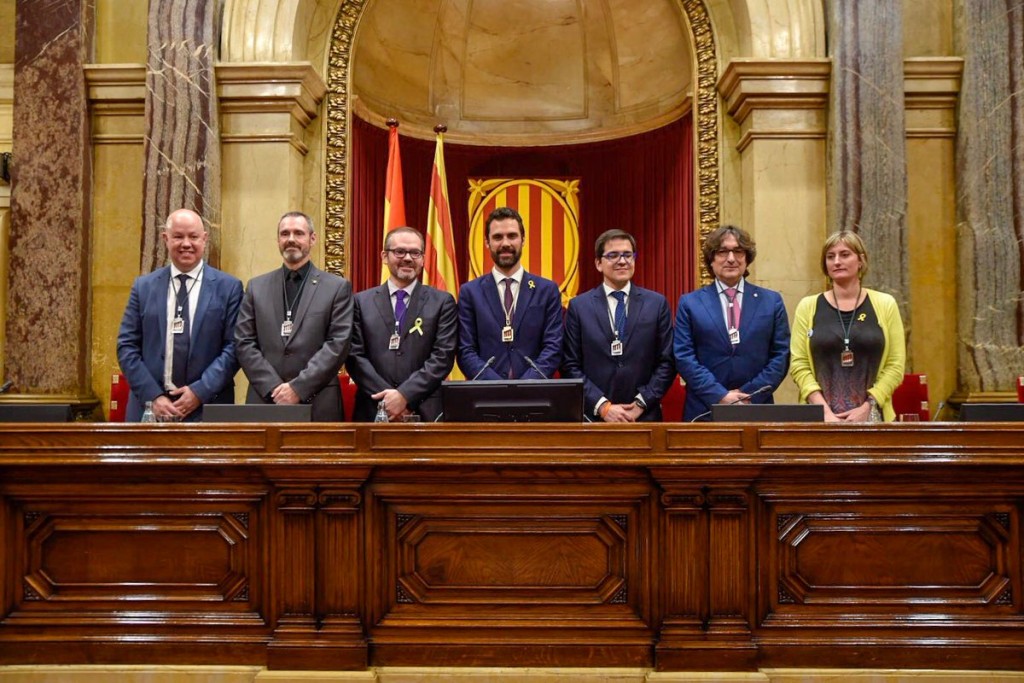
<point x="862" y="317"/>
<point x="417" y="326"/>
<point x="530" y="282"/>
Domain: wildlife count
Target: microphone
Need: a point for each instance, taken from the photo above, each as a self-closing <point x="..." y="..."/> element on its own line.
<point x="6" y="386"/>
<point x="489" y="363"/>
<point x="529" y="361"/>
<point x="762" y="390"/>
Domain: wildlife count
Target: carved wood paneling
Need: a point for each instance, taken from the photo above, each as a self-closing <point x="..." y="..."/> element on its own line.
<point x="508" y="546"/>
<point x="86" y="554"/>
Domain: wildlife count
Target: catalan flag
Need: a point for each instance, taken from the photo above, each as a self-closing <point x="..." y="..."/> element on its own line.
<point x="439" y="267"/>
<point x="394" y="193"/>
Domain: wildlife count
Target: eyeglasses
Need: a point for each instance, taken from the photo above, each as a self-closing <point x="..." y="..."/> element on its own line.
<point x="414" y="254"/>
<point x="736" y="253"/>
<point x="614" y="256"/>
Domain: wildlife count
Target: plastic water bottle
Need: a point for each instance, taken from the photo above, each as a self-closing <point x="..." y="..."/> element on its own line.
<point x="382" y="414"/>
<point x="147" y="414"/>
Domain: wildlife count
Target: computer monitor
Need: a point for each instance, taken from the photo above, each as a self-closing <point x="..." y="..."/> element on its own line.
<point x="514" y="400"/>
<point x="768" y="412"/>
<point x="257" y="412"/>
<point x="992" y="412"/>
<point x="36" y="412"/>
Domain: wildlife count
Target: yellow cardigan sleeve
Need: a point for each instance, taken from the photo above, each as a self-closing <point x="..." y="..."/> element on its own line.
<point x="801" y="366"/>
<point x="894" y="355"/>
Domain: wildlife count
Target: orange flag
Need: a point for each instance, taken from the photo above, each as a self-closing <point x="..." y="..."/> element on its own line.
<point x="394" y="194"/>
<point x="439" y="267"/>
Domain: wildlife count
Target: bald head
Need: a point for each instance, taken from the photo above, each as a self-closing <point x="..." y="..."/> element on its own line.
<point x="185" y="237"/>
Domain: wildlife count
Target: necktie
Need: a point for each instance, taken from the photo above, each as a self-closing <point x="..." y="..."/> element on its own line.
<point x="291" y="288"/>
<point x="620" y="314"/>
<point x="400" y="306"/>
<point x="179" y="362"/>
<point x="734" y="308"/>
<point x="508" y="298"/>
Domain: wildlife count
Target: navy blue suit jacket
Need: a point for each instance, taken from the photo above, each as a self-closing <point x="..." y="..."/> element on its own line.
<point x="141" y="341"/>
<point x="646" y="365"/>
<point x="711" y="365"/>
<point x="537" y="324"/>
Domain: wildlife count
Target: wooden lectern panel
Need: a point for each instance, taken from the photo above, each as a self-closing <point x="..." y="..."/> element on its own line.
<point x="678" y="547"/>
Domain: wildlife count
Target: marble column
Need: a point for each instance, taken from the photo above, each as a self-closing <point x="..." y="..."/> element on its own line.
<point x="867" y="157"/>
<point x="6" y="116"/>
<point x="47" y="327"/>
<point x="182" y="143"/>
<point x="990" y="196"/>
<point x="780" y="106"/>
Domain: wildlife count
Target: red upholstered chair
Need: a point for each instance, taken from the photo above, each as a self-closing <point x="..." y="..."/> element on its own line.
<point x="911" y="397"/>
<point x="673" y="401"/>
<point x="118" y="397"/>
<point x="348" y="394"/>
<point x="1020" y="389"/>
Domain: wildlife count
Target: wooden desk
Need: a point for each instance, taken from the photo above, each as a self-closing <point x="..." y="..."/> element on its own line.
<point x="673" y="546"/>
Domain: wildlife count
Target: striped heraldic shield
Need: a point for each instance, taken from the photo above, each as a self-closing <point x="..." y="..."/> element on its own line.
<point x="550" y="211"/>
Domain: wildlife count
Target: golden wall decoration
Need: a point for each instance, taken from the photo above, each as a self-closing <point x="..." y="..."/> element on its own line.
<point x="706" y="126"/>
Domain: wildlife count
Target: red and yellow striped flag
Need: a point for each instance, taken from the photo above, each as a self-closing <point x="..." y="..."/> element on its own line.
<point x="439" y="267"/>
<point x="394" y="193"/>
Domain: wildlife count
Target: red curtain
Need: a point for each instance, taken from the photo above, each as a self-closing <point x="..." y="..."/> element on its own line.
<point x="642" y="184"/>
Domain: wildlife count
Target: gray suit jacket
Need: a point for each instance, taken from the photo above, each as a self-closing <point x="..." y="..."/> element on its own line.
<point x="310" y="358"/>
<point x="424" y="357"/>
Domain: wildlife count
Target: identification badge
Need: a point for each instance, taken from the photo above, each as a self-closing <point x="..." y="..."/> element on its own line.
<point x="734" y="336"/>
<point x="394" y="342"/>
<point x="286" y="328"/>
<point x="616" y="348"/>
<point x="507" y="335"/>
<point x="846" y="358"/>
<point x="178" y="326"/>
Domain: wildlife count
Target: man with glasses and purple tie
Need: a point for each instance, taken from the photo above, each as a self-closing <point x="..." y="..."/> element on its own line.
<point x="176" y="345"/>
<point x="618" y="339"/>
<point x="403" y="337"/>
<point x="731" y="337"/>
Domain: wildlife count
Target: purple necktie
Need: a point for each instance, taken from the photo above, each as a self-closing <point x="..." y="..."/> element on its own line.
<point x="400" y="306"/>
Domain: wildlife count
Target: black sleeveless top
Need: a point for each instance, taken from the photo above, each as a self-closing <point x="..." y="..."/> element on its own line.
<point x="845" y="388"/>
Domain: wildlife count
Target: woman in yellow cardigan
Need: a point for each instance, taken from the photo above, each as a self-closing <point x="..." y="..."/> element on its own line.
<point x="847" y="349"/>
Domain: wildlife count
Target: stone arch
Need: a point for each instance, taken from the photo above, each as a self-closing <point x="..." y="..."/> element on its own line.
<point x="280" y="31"/>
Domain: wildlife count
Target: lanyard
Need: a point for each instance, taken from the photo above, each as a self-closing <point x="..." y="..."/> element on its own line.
<point x="188" y="290"/>
<point x="284" y="292"/>
<point x="611" y="316"/>
<point x="847" y="329"/>
<point x="731" y="313"/>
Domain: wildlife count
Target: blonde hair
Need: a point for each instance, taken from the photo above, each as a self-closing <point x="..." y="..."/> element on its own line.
<point x="856" y="245"/>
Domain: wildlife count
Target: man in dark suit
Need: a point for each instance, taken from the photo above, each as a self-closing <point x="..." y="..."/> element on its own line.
<point x="295" y="326"/>
<point x="509" y="315"/>
<point x="618" y="339"/>
<point x="403" y="337"/>
<point x="176" y="345"/>
<point x="731" y="337"/>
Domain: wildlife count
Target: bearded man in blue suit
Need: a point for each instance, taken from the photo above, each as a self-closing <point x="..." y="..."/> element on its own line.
<point x="510" y="322"/>
<point x="618" y="339"/>
<point x="731" y="337"/>
<point x="176" y="345"/>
